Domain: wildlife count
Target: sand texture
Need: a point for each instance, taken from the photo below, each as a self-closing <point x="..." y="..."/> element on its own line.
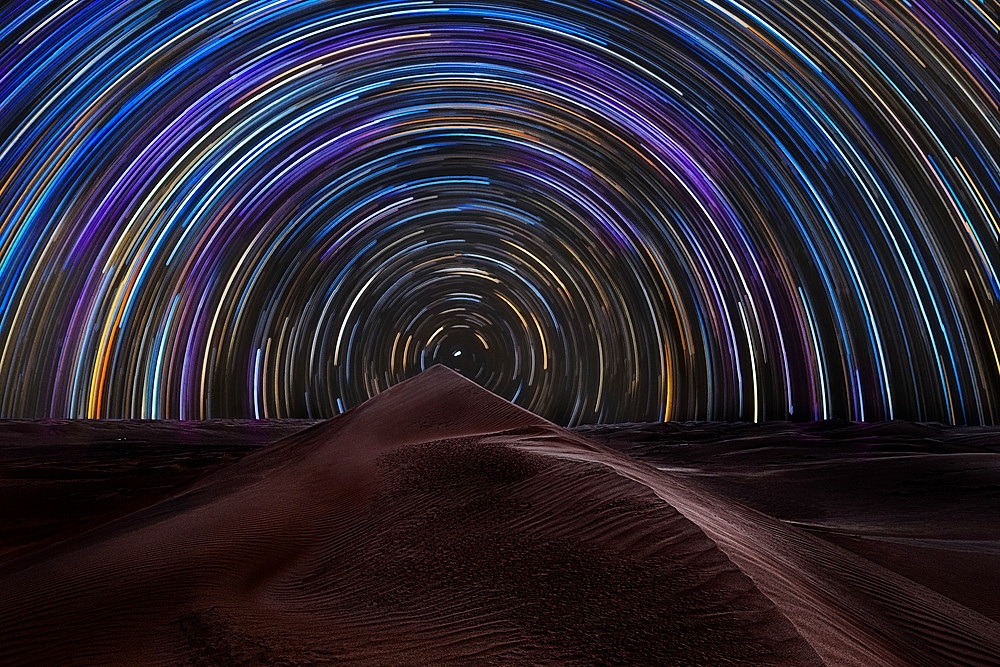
<point x="439" y="523"/>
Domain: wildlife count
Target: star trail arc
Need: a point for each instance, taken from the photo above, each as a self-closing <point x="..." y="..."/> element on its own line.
<point x="604" y="211"/>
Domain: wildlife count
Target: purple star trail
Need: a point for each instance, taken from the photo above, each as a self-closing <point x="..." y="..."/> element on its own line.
<point x="604" y="211"/>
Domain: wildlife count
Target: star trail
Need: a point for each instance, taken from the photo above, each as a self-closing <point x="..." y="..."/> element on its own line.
<point x="604" y="211"/>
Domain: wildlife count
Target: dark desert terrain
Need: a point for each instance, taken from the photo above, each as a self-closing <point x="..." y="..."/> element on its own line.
<point x="439" y="523"/>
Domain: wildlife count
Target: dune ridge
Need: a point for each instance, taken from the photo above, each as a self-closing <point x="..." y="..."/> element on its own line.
<point x="850" y="610"/>
<point x="440" y="523"/>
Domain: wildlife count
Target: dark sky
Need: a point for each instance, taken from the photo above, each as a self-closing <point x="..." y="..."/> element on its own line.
<point x="606" y="211"/>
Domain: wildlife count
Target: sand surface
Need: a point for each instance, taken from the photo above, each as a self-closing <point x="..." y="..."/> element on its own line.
<point x="438" y="523"/>
<point x="920" y="499"/>
<point x="63" y="477"/>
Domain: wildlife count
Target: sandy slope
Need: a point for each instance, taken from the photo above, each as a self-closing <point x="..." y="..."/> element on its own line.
<point x="849" y="609"/>
<point x="62" y="477"/>
<point x="438" y="522"/>
<point x="919" y="499"/>
<point x="404" y="530"/>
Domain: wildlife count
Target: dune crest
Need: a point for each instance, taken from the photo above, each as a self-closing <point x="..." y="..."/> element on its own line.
<point x="438" y="523"/>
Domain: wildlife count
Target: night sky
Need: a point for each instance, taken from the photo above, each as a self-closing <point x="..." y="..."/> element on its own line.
<point x="603" y="210"/>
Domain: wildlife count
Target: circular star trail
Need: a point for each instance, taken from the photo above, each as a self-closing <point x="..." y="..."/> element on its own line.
<point x="604" y="211"/>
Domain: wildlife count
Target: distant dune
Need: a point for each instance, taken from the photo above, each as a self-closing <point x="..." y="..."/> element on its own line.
<point x="63" y="477"/>
<point x="439" y="523"/>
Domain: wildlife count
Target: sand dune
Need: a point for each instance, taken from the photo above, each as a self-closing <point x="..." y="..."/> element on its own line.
<point x="62" y="477"/>
<point x="919" y="499"/>
<point x="439" y="523"/>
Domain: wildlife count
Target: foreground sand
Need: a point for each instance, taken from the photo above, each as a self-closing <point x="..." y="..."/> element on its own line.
<point x="438" y="523"/>
<point x="919" y="499"/>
